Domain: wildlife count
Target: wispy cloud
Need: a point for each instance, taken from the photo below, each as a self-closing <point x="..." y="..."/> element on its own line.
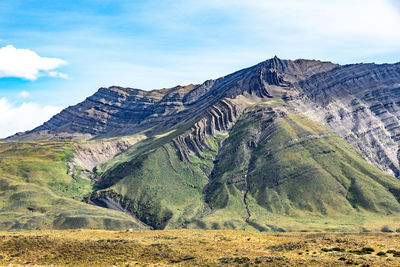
<point x="24" y="63"/>
<point x="197" y="40"/>
<point x="16" y="118"/>
<point x="336" y="28"/>
<point x="374" y="22"/>
<point x="57" y="74"/>
<point x="24" y="94"/>
<point x="206" y="39"/>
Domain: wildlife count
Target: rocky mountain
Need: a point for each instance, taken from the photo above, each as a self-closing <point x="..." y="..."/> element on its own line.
<point x="125" y="111"/>
<point x="280" y="146"/>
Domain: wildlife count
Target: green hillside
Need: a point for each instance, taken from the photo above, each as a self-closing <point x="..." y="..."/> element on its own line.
<point x="291" y="172"/>
<point x="37" y="192"/>
<point x="156" y="185"/>
<point x="273" y="171"/>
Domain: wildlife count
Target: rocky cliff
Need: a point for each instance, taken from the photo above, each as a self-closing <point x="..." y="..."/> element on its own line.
<point x="361" y="103"/>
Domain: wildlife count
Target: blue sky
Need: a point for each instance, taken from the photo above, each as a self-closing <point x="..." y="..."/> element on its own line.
<point x="80" y="46"/>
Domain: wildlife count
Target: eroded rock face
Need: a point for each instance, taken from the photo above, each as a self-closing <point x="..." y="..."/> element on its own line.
<point x="360" y="102"/>
<point x="122" y="111"/>
<point x="90" y="154"/>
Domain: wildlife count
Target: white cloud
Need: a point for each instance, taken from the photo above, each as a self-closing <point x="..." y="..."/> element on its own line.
<point x="24" y="94"/>
<point x="369" y="21"/>
<point x="19" y="118"/>
<point x="57" y="74"/>
<point x="341" y="18"/>
<point x="24" y="63"/>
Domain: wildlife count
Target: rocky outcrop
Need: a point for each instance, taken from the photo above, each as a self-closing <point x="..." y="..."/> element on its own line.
<point x="92" y="153"/>
<point x="218" y="118"/>
<point x="151" y="214"/>
<point x="361" y="103"/>
<point x="112" y="200"/>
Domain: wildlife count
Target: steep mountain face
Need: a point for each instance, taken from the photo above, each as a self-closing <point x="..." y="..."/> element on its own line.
<point x="291" y="165"/>
<point x="122" y="111"/>
<point x="361" y="103"/>
<point x="283" y="145"/>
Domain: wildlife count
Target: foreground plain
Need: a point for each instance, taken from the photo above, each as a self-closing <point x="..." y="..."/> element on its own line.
<point x="197" y="247"/>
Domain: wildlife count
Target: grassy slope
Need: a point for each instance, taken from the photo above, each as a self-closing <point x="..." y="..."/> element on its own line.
<point x="158" y="186"/>
<point x="37" y="193"/>
<point x="300" y="176"/>
<point x="43" y="164"/>
<point x="290" y="172"/>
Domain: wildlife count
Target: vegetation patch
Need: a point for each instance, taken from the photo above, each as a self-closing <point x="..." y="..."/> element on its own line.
<point x="363" y="251"/>
<point x="337" y="249"/>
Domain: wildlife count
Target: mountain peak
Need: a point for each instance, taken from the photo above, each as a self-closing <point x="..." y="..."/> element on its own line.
<point x="123" y="110"/>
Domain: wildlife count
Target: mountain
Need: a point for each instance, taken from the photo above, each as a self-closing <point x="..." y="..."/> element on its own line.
<point x="280" y="146"/>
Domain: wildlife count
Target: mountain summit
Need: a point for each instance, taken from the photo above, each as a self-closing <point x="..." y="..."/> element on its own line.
<point x="121" y="111"/>
<point x="281" y="146"/>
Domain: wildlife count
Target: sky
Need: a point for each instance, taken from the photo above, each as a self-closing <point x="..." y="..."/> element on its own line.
<point x="56" y="53"/>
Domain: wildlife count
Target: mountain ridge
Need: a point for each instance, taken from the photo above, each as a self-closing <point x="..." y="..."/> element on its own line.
<point x="284" y="144"/>
<point x="170" y="97"/>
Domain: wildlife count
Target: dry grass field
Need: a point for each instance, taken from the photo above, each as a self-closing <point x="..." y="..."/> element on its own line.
<point x="197" y="247"/>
